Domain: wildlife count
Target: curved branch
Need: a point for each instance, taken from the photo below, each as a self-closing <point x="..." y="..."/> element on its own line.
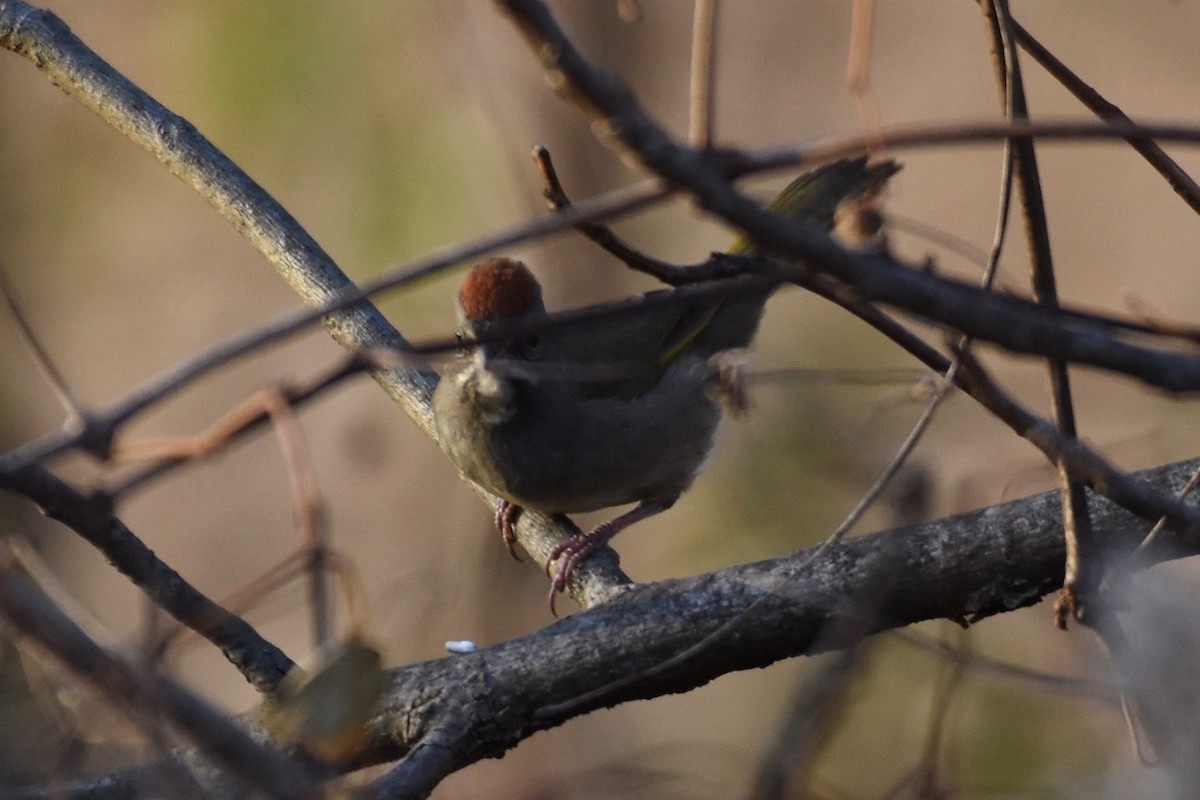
<point x="262" y="663"/>
<point x="964" y="568"/>
<point x="254" y="762"/>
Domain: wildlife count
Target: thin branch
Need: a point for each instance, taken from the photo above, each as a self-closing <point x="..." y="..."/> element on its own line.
<point x="263" y="664"/>
<point x="899" y="459"/>
<point x="1084" y="561"/>
<point x="923" y="779"/>
<point x="265" y="768"/>
<point x="308" y="510"/>
<point x="858" y="69"/>
<point x="1085" y="567"/>
<point x="41" y="356"/>
<point x="243" y="600"/>
<point x="557" y="200"/>
<point x="1183" y="184"/>
<point x="1102" y="691"/>
<point x="807" y="721"/>
<point x="1162" y="523"/>
<point x="238" y="424"/>
<point x="703" y="74"/>
<point x="947" y="134"/>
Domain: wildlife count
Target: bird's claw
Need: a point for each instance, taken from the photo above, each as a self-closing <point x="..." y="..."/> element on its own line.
<point x="573" y="552"/>
<point x="506" y="515"/>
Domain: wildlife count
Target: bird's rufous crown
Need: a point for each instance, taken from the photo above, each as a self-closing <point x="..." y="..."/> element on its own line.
<point x="497" y="289"/>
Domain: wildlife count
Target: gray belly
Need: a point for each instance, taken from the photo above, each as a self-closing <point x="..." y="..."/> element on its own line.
<point x="560" y="452"/>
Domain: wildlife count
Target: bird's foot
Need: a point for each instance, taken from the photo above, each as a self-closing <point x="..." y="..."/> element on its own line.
<point x="573" y="552"/>
<point x="506" y="515"/>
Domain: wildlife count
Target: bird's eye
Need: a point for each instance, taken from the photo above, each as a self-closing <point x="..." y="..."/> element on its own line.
<point x="529" y="347"/>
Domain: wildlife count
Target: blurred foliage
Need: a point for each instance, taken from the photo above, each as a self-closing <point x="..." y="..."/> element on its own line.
<point x="389" y="129"/>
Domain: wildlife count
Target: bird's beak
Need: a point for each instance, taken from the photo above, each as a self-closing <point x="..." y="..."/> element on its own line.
<point x="487" y="352"/>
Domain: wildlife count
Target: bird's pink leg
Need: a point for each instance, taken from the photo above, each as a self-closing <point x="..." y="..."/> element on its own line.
<point x="574" y="551"/>
<point x="506" y="515"/>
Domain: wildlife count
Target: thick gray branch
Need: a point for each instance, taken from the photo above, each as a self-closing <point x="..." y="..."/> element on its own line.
<point x="964" y="568"/>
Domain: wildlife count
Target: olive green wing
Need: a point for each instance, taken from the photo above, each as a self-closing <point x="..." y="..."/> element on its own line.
<point x="624" y="352"/>
<point x="813" y="198"/>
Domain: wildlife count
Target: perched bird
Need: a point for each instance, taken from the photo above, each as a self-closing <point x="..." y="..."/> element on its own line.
<point x="616" y="408"/>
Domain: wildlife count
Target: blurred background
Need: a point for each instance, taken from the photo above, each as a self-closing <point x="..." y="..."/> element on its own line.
<point x="392" y="128"/>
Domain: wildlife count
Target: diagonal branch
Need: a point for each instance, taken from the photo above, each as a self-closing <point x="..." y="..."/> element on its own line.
<point x="262" y="663"/>
<point x="1084" y="567"/>
<point x="256" y="764"/>
<point x="965" y="568"/>
<point x="44" y="39"/>
<point x="1183" y="184"/>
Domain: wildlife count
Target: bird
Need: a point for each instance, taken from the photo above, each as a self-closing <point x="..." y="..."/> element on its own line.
<point x="622" y="403"/>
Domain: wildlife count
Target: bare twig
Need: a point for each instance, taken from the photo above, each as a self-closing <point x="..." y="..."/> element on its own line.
<point x="703" y="76"/>
<point x="858" y="69"/>
<point x="308" y="508"/>
<point x="1162" y="523"/>
<point x="954" y="133"/>
<point x="816" y="704"/>
<point x="228" y="429"/>
<point x="260" y="586"/>
<point x="309" y="511"/>
<point x="257" y="765"/>
<point x="263" y="664"/>
<point x="1105" y="692"/>
<point x="23" y="555"/>
<point x="899" y="458"/>
<point x="1084" y="561"/>
<point x="1183" y="184"/>
<point x="76" y="414"/>
<point x="923" y="780"/>
<point x="603" y="236"/>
